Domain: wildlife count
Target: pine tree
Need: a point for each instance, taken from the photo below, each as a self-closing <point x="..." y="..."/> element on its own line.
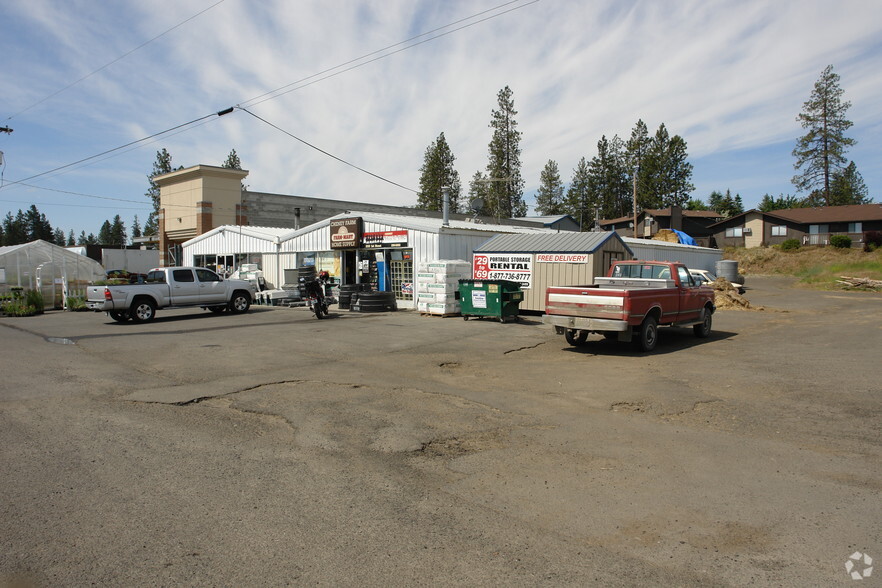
<point x="117" y="232"/>
<point x="162" y="165"/>
<point x="436" y="174"/>
<point x="821" y="151"/>
<point x="608" y="179"/>
<point x="782" y="202"/>
<point x="233" y="161"/>
<point x="580" y="204"/>
<point x="479" y="191"/>
<point x="847" y="187"/>
<point x="636" y="149"/>
<point x="58" y="237"/>
<point x="105" y="234"/>
<point x="550" y="196"/>
<point x="136" y="229"/>
<point x="666" y="171"/>
<point x="506" y="188"/>
<point x="71" y="240"/>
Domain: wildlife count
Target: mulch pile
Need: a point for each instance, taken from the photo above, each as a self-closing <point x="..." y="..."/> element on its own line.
<point x="726" y="296"/>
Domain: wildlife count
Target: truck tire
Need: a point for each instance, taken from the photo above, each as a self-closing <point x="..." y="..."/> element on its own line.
<point x="240" y="302"/>
<point x="647" y="336"/>
<point x="143" y="310"/>
<point x="576" y="338"/>
<point x="119" y="316"/>
<point x="703" y="329"/>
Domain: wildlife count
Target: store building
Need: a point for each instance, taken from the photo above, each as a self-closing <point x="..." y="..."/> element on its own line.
<point x="353" y="247"/>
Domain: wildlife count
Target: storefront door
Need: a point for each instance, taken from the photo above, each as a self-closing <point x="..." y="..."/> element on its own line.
<point x="401" y="272"/>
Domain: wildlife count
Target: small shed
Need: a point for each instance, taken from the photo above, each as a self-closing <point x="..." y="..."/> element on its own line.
<point x="537" y="261"/>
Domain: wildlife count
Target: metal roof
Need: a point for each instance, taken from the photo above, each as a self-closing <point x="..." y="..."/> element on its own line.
<point x="417" y="223"/>
<point x="564" y="242"/>
<point x="272" y="234"/>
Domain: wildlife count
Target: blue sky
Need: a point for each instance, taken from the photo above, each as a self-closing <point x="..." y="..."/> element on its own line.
<point x="729" y="77"/>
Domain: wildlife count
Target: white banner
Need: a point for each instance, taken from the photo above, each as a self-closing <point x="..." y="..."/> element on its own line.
<point x="495" y="266"/>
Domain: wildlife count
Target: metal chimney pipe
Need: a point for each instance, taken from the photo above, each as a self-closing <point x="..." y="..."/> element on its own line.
<point x="445" y="206"/>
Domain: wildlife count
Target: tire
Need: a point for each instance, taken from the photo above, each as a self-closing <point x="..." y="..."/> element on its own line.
<point x="119" y="316"/>
<point x="240" y="302"/>
<point x="376" y="302"/>
<point x="703" y="329"/>
<point x="143" y="310"/>
<point x="317" y="309"/>
<point x="217" y="309"/>
<point x="647" y="336"/>
<point x="576" y="338"/>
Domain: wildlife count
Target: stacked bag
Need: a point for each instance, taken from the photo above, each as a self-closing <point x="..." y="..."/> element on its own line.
<point x="437" y="285"/>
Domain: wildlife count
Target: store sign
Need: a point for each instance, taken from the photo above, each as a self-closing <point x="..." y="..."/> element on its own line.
<point x="494" y="266"/>
<point x="346" y="233"/>
<point x="561" y="258"/>
<point x="384" y="239"/>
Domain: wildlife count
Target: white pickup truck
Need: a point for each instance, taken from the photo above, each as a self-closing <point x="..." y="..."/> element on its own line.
<point x="171" y="287"/>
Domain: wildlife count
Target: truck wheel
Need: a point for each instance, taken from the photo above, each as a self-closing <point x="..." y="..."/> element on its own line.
<point x="240" y="303"/>
<point x="703" y="329"/>
<point x="143" y="310"/>
<point x="576" y="338"/>
<point x="648" y="335"/>
<point x="119" y="316"/>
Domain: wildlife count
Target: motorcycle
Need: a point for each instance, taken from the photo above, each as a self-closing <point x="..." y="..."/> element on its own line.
<point x="315" y="297"/>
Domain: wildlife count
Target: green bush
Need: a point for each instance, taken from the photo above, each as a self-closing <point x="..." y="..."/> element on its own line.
<point x="76" y="303"/>
<point x="18" y="308"/>
<point x="34" y="299"/>
<point x="790" y="245"/>
<point x="841" y="241"/>
<point x="872" y="240"/>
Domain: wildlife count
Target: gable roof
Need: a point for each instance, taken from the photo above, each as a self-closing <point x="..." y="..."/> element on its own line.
<point x="663" y="212"/>
<point x="832" y="214"/>
<point x="566" y="242"/>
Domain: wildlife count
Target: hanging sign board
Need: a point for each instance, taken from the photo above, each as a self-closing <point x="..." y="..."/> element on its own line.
<point x="561" y="258"/>
<point x="496" y="266"/>
<point x="380" y="239"/>
<point x="346" y="233"/>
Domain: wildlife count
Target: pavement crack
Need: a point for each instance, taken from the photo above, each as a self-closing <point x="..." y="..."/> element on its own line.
<point x="525" y="348"/>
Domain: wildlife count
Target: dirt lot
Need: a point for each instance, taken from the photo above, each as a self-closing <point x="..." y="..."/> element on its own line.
<point x="272" y="448"/>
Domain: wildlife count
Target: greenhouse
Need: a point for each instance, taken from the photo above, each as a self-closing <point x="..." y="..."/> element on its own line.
<point x="52" y="270"/>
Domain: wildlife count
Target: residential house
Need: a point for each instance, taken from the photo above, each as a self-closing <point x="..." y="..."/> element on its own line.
<point x="811" y="226"/>
<point x="694" y="223"/>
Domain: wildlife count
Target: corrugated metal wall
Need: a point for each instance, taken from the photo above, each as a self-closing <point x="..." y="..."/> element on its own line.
<point x="694" y="257"/>
<point x="555" y="274"/>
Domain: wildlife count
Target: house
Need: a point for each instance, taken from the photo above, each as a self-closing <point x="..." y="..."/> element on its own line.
<point x="560" y="222"/>
<point x="650" y="221"/>
<point x="811" y="226"/>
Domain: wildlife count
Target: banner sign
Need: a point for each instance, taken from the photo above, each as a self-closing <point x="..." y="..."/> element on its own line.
<point x="561" y="258"/>
<point x="495" y="266"/>
<point x="346" y="233"/>
<point x="385" y="239"/>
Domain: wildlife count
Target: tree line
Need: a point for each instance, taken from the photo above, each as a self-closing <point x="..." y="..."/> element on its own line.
<point x="649" y="171"/>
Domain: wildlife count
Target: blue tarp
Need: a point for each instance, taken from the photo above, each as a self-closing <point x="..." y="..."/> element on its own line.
<point x="684" y="238"/>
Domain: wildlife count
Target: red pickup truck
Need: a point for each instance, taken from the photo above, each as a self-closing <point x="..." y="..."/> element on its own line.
<point x="632" y="301"/>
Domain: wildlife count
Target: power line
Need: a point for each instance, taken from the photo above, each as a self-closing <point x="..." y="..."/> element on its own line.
<point x="120" y="58"/>
<point x="325" y="152"/>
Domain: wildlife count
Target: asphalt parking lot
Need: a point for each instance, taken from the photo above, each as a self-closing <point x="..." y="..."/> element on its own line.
<point x="273" y="449"/>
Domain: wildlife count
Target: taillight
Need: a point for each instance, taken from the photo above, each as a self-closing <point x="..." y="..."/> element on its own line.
<point x="107" y="295"/>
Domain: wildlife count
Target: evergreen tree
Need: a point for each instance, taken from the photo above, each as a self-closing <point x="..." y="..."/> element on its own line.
<point x="437" y="173"/>
<point x="726" y="205"/>
<point x="550" y="197"/>
<point x="71" y="240"/>
<point x="635" y="152"/>
<point x="608" y="179"/>
<point x="38" y="226"/>
<point x="580" y="204"/>
<point x="105" y="234"/>
<point x="666" y="171"/>
<point x="117" y="232"/>
<point x="479" y="189"/>
<point x="162" y="165"/>
<point x="83" y="240"/>
<point x="506" y="187"/>
<point x="847" y="187"/>
<point x="695" y="204"/>
<point x="58" y="237"/>
<point x="821" y="151"/>
<point x="136" y="229"/>
<point x="232" y="161"/>
<point x="782" y="202"/>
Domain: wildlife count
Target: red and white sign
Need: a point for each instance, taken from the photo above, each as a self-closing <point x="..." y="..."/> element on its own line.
<point x="562" y="258"/>
<point x="385" y="239"/>
<point x="495" y="266"/>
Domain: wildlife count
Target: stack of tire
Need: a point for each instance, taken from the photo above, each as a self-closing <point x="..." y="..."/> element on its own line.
<point x="373" y="302"/>
<point x="305" y="273"/>
<point x="348" y="291"/>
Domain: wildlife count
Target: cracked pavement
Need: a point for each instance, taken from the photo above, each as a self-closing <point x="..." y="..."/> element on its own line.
<point x="272" y="448"/>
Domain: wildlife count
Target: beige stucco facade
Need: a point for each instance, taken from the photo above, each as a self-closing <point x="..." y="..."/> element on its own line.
<point x="195" y="200"/>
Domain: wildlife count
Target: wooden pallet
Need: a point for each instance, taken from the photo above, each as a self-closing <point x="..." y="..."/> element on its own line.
<point x="446" y="315"/>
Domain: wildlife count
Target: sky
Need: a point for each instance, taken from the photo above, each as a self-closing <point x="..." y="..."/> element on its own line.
<point x="374" y="83"/>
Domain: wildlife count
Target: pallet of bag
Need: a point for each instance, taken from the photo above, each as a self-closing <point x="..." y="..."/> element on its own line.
<point x="437" y="286"/>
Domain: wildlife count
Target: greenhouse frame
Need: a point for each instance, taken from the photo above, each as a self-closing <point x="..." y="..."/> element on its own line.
<point x="55" y="271"/>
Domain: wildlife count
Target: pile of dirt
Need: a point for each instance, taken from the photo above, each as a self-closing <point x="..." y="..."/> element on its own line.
<point x="726" y="296"/>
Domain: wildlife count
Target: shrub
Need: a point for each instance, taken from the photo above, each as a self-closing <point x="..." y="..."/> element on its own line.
<point x="790" y="245"/>
<point x="19" y="308"/>
<point x="34" y="299"/>
<point x="841" y="241"/>
<point x="872" y="240"/>
<point x="76" y="303"/>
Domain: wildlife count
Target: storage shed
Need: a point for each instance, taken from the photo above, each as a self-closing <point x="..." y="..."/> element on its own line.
<point x="551" y="259"/>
